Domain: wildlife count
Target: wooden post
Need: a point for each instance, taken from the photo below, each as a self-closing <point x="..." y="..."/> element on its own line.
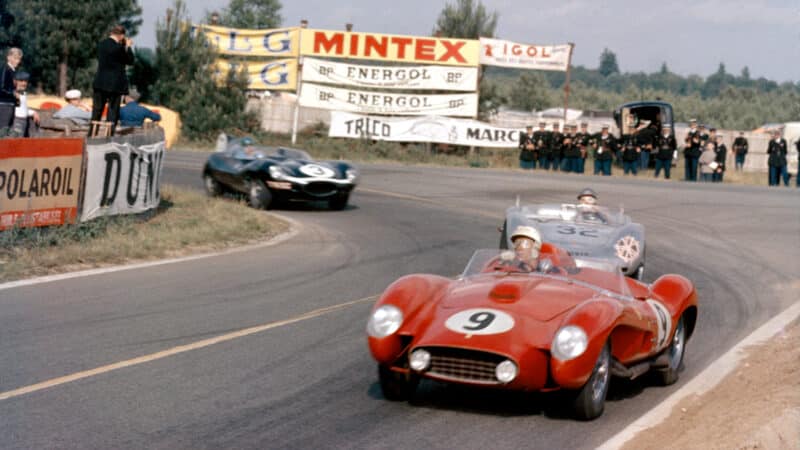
<point x="566" y="83"/>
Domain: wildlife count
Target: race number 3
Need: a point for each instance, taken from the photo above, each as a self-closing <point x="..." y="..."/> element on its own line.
<point x="480" y="321"/>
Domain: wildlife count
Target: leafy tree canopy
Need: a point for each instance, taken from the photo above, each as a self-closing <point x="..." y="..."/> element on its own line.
<point x="251" y="14"/>
<point x="608" y="63"/>
<point x="465" y="20"/>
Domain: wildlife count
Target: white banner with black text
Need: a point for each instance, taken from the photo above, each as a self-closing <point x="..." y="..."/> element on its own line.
<point x="121" y="179"/>
<point x="444" y="130"/>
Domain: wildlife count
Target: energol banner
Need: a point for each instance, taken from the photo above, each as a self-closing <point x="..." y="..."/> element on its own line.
<point x="274" y="75"/>
<point x="443" y="130"/>
<point x="281" y="42"/>
<point x="39" y="181"/>
<point x="385" y="47"/>
<point x="367" y="102"/>
<point x="495" y="52"/>
<point x="121" y="179"/>
<point x="446" y="78"/>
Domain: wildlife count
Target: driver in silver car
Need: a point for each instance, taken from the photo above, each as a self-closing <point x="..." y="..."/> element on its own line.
<point x="587" y="207"/>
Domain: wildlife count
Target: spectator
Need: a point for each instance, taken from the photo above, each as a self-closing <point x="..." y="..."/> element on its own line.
<point x="630" y="156"/>
<point x="74" y="110"/>
<point x="777" y="160"/>
<point x="701" y="130"/>
<point x="542" y="142"/>
<point x="666" y="151"/>
<point x="708" y="163"/>
<point x="8" y="99"/>
<point x="712" y="137"/>
<point x="571" y="152"/>
<point x="646" y="140"/>
<point x="110" y="82"/>
<point x="692" y="150"/>
<point x="722" y="154"/>
<point x="605" y="148"/>
<point x="584" y="140"/>
<point x="556" y="147"/>
<point x="797" y="175"/>
<point x="26" y="120"/>
<point x="133" y="114"/>
<point x="740" y="150"/>
<point x="527" y="154"/>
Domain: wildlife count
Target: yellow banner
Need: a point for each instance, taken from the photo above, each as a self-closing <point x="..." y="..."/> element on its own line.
<point x="273" y="75"/>
<point x="279" y="42"/>
<point x="385" y="47"/>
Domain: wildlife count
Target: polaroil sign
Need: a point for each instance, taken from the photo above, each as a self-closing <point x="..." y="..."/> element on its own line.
<point x="39" y="181"/>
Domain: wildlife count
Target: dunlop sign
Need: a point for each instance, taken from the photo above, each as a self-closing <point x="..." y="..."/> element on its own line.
<point x="385" y="47"/>
<point x="391" y="77"/>
<point x="367" y="102"/>
<point x="273" y="43"/>
<point x="274" y="75"/>
<point x="39" y="181"/>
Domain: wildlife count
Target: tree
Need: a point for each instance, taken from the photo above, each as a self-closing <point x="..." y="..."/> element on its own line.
<point x="60" y="42"/>
<point x="608" y="63"/>
<point x="187" y="81"/>
<point x="465" y="20"/>
<point x="530" y="92"/>
<point x="250" y="14"/>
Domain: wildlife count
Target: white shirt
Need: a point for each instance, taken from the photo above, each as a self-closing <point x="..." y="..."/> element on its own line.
<point x="22" y="111"/>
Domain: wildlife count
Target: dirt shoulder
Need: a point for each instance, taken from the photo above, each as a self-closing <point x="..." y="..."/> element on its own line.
<point x="757" y="406"/>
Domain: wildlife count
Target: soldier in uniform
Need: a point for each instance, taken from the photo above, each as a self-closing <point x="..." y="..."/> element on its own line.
<point x="527" y="154"/>
<point x="605" y="147"/>
<point x="722" y="155"/>
<point x="665" y="151"/>
<point x="556" y="142"/>
<point x="584" y="139"/>
<point x="567" y="148"/>
<point x="740" y="150"/>
<point x="541" y="139"/>
<point x="692" y="150"/>
<point x="777" y="160"/>
<point x="630" y="155"/>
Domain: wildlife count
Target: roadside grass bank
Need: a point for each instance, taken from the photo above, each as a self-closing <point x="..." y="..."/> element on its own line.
<point x="186" y="222"/>
<point x="366" y="151"/>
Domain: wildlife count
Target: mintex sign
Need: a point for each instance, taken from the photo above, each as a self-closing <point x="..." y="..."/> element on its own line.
<point x="384" y="47"/>
<point x="39" y="181"/>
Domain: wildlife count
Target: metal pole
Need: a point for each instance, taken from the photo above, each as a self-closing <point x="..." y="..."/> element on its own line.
<point x="566" y="84"/>
<point x="303" y="24"/>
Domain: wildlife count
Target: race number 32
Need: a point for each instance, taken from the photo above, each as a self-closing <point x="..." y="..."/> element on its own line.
<point x="480" y="321"/>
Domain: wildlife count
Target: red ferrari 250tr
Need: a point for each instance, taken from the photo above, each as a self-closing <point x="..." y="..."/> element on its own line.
<point x="569" y="324"/>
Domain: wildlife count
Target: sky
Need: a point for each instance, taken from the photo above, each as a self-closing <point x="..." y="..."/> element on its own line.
<point x="691" y="36"/>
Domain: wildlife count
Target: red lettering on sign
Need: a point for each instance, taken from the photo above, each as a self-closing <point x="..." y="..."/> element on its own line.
<point x="353" y="45"/>
<point x="532" y="51"/>
<point x="488" y="49"/>
<point x="425" y="49"/>
<point x="401" y="44"/>
<point x="516" y="50"/>
<point x="380" y="47"/>
<point x="544" y="53"/>
<point x="453" y="49"/>
<point x="333" y="45"/>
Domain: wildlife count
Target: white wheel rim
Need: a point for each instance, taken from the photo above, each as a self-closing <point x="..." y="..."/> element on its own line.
<point x="627" y="248"/>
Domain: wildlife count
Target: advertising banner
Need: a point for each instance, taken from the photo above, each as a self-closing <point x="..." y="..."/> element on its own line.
<point x="445" y="78"/>
<point x="367" y="102"/>
<point x="273" y="75"/>
<point x="276" y="43"/>
<point x="385" y="47"/>
<point x="121" y="179"/>
<point x="443" y="130"/>
<point x="39" y="181"/>
<point x="495" y="52"/>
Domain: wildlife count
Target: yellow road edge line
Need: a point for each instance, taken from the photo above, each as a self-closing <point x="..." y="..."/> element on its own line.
<point x="177" y="350"/>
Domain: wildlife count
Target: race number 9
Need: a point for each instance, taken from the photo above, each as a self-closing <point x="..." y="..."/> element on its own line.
<point x="480" y="321"/>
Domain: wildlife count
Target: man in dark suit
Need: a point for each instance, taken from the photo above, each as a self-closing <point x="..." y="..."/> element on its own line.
<point x="110" y="82"/>
<point x="527" y="154"/>
<point x="740" y="150"/>
<point x="777" y="160"/>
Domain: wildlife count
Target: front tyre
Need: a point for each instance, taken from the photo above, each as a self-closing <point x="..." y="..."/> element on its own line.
<point x="590" y="400"/>
<point x="258" y="196"/>
<point x="339" y="202"/>
<point x="213" y="187"/>
<point x="396" y="386"/>
<point x="675" y="351"/>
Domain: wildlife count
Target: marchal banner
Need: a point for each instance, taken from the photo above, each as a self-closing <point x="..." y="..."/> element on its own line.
<point x="274" y="75"/>
<point x="444" y="78"/>
<point x="495" y="52"/>
<point x="443" y="130"/>
<point x="281" y="42"/>
<point x="366" y="102"/>
<point x="385" y="47"/>
<point x="122" y="179"/>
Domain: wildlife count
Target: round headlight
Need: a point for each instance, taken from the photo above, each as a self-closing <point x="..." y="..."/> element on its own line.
<point x="351" y="174"/>
<point x="384" y="321"/>
<point x="570" y="342"/>
<point x="506" y="371"/>
<point x="419" y="360"/>
<point x="276" y="172"/>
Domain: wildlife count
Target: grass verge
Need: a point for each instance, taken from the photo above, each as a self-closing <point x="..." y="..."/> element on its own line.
<point x="185" y="222"/>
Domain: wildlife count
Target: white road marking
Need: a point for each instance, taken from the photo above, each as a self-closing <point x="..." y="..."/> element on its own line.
<point x="705" y="380"/>
<point x="177" y="350"/>
<point x="477" y="212"/>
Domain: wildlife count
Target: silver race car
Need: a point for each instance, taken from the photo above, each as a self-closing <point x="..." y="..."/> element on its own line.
<point x="584" y="231"/>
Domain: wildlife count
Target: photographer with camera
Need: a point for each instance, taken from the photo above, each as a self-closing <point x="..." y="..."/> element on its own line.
<point x="110" y="83"/>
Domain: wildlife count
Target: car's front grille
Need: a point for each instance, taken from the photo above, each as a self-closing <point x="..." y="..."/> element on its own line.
<point x="470" y="366"/>
<point x="320" y="189"/>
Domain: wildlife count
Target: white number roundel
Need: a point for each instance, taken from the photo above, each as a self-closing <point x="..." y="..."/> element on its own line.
<point x="316" y="171"/>
<point x="480" y="321"/>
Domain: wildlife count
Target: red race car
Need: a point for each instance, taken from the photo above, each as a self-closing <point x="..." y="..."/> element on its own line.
<point x="566" y="324"/>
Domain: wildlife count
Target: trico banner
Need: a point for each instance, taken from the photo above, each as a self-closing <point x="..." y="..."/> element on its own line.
<point x="495" y="52"/>
<point x="39" y="181"/>
<point x="385" y="47"/>
<point x="422" y="129"/>
<point x="367" y="102"/>
<point x="273" y="43"/>
<point x="391" y="77"/>
<point x="122" y="179"/>
<point x="274" y="75"/>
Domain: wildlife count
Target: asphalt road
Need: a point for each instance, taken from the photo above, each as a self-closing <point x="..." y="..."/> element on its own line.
<point x="310" y="382"/>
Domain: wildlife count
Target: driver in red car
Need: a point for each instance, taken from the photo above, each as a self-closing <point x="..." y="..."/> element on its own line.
<point x="530" y="254"/>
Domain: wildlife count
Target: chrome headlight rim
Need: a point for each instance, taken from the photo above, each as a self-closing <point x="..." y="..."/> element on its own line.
<point x="506" y="371"/>
<point x="276" y="173"/>
<point x="419" y="360"/>
<point x="351" y="175"/>
<point x="384" y="321"/>
<point x="570" y="342"/>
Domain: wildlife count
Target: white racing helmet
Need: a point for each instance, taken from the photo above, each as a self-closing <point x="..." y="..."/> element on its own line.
<point x="530" y="233"/>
